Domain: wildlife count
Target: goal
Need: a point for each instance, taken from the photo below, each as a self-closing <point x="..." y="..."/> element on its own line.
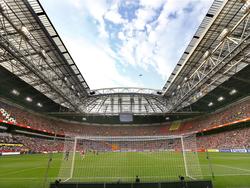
<point x="122" y="158"/>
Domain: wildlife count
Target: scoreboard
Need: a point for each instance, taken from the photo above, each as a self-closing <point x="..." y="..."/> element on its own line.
<point x="126" y="117"/>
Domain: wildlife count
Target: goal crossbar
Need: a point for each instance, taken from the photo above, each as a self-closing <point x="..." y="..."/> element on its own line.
<point x="129" y="138"/>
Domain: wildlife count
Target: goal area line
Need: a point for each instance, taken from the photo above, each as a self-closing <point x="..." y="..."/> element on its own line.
<point x="81" y="178"/>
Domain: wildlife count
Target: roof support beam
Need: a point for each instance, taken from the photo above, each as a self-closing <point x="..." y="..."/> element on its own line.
<point x="229" y="53"/>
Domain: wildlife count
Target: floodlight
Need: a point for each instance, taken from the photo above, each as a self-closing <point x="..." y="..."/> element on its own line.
<point x="65" y="79"/>
<point x="25" y="32"/>
<point x="185" y="79"/>
<point x="210" y="104"/>
<point x="2" y="6"/>
<point x="206" y="55"/>
<point x="73" y="87"/>
<point x="246" y="7"/>
<point x="178" y="87"/>
<point x="43" y="53"/>
<point x="173" y="94"/>
<point x="220" y="99"/>
<point x="15" y="92"/>
<point x="224" y="34"/>
<point x="200" y="94"/>
<point x="39" y="104"/>
<point x="29" y="99"/>
<point x="233" y="91"/>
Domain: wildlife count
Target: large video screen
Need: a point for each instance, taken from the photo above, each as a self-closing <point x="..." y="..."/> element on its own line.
<point x="126" y="117"/>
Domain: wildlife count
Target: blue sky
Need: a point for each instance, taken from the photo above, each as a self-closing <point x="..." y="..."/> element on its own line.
<point x="115" y="41"/>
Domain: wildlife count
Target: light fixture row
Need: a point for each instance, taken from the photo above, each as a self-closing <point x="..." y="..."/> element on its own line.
<point x="28" y="99"/>
<point x="221" y="98"/>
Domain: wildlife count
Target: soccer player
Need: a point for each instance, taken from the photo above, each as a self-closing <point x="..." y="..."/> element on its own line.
<point x="57" y="182"/>
<point x="137" y="179"/>
<point x="66" y="157"/>
<point x="82" y="154"/>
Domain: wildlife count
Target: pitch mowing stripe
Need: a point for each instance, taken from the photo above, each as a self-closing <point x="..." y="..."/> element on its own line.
<point x="18" y="171"/>
<point x="33" y="167"/>
<point x="107" y="166"/>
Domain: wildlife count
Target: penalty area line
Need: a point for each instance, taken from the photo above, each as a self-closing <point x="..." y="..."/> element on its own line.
<point x="233" y="168"/>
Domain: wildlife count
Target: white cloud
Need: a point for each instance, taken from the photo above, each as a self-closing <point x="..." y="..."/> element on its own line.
<point x="94" y="9"/>
<point x="97" y="65"/>
<point x="163" y="45"/>
<point x="153" y="41"/>
<point x="121" y="36"/>
<point x="152" y="4"/>
<point x="113" y="15"/>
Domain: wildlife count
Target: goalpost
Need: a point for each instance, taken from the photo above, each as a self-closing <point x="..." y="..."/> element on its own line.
<point x="121" y="158"/>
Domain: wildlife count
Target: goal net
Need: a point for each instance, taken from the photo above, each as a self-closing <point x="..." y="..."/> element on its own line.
<point x="122" y="158"/>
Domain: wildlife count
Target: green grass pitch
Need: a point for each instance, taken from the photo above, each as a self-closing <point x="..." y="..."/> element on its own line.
<point x="231" y="170"/>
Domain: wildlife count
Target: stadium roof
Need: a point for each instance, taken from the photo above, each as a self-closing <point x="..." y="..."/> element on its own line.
<point x="32" y="50"/>
<point x="119" y="100"/>
<point x="219" y="49"/>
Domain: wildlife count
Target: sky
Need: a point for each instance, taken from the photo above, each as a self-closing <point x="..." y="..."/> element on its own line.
<point x="126" y="43"/>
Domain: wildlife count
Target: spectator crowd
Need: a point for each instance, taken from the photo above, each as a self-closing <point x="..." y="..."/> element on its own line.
<point x="21" y="117"/>
<point x="39" y="122"/>
<point x="233" y="139"/>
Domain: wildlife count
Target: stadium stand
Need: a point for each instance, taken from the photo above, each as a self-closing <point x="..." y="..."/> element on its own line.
<point x="30" y="120"/>
<point x="8" y="143"/>
<point x="175" y="126"/>
<point x="125" y="145"/>
<point x="232" y="114"/>
<point x="28" y="144"/>
<point x="229" y="115"/>
<point x="237" y="138"/>
<point x="40" y="145"/>
<point x="234" y="139"/>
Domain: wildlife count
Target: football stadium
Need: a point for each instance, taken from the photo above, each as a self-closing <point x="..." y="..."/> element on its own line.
<point x="63" y="125"/>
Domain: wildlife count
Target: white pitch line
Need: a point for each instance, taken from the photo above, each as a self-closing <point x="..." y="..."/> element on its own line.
<point x="232" y="158"/>
<point x="25" y="178"/>
<point x="29" y="178"/>
<point x="229" y="175"/>
<point x="67" y="179"/>
<point x="145" y="177"/>
<point x="136" y="166"/>
<point x="234" y="168"/>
